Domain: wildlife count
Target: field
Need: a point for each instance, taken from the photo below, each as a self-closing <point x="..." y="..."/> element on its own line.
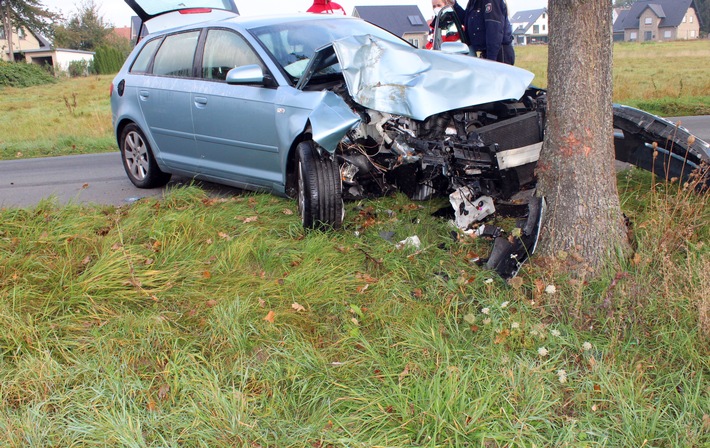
<point x="197" y="321"/>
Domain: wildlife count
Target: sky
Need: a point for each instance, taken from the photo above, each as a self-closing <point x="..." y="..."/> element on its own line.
<point x="119" y="14"/>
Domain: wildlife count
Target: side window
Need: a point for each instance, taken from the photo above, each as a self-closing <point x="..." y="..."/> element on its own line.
<point x="176" y="55"/>
<point x="225" y="50"/>
<point x="142" y="62"/>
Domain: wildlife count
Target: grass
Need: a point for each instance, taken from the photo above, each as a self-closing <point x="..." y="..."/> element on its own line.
<point x="195" y="321"/>
<point x="664" y="78"/>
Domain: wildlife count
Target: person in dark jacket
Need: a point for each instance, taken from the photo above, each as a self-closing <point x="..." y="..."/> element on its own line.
<point x="488" y="28"/>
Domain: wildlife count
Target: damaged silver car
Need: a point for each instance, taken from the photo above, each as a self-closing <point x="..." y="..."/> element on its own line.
<point x="325" y="109"/>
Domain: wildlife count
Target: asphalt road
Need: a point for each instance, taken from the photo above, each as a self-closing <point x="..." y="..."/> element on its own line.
<point x="100" y="179"/>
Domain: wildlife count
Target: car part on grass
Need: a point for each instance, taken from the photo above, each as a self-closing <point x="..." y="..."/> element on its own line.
<point x="509" y="254"/>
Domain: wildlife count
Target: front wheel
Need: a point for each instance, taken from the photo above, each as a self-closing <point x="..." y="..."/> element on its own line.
<point x="320" y="191"/>
<point x="138" y="159"/>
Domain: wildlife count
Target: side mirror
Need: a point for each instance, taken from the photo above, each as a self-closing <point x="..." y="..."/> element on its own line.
<point x="454" y="48"/>
<point x="247" y="74"/>
<point x="447" y="21"/>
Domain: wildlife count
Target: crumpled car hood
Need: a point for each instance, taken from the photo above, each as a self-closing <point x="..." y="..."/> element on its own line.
<point x="392" y="78"/>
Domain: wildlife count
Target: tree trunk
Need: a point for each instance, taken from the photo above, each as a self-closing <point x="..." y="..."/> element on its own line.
<point x="6" y="14"/>
<point x="576" y="172"/>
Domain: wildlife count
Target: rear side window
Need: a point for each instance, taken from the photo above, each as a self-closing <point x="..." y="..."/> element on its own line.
<point x="142" y="62"/>
<point x="225" y="50"/>
<point x="176" y="55"/>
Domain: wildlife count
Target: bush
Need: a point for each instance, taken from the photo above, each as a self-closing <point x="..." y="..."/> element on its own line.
<point x="21" y="74"/>
<point x="108" y="60"/>
<point x="78" y="68"/>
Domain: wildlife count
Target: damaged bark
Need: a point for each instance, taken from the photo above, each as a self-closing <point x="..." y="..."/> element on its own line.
<point x="576" y="172"/>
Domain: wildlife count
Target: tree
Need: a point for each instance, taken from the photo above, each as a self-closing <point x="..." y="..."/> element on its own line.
<point x="86" y="30"/>
<point x="576" y="169"/>
<point x="25" y="13"/>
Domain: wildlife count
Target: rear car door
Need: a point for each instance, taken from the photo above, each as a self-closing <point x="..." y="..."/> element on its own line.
<point x="164" y="96"/>
<point x="234" y="125"/>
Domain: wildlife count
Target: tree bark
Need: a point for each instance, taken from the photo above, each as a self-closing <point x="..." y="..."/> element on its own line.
<point x="6" y="14"/>
<point x="576" y="172"/>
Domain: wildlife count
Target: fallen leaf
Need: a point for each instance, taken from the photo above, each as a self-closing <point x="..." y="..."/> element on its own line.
<point x="297" y="306"/>
<point x="151" y="406"/>
<point x="637" y="259"/>
<point x="148" y="261"/>
<point x="355" y="321"/>
<point x="270" y="317"/>
<point x="287" y="211"/>
<point x="417" y="293"/>
<point x="516" y="282"/>
<point x="262" y="302"/>
<point x="85" y="186"/>
<point x="706" y="422"/>
<point x="404" y="373"/>
<point x="502" y="336"/>
<point x="86" y="260"/>
<point x="597" y="388"/>
<point x="363" y="288"/>
<point x="250" y="219"/>
<point x="156" y="246"/>
<point x="211" y="303"/>
<point x="252" y="201"/>
<point x="206" y="274"/>
<point x="163" y="391"/>
<point x="154" y="298"/>
<point x="224" y="236"/>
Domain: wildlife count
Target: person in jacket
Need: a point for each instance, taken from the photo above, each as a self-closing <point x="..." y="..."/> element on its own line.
<point x="326" y="7"/>
<point x="488" y="28"/>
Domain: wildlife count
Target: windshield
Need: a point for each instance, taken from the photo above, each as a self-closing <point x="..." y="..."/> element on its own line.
<point x="293" y="44"/>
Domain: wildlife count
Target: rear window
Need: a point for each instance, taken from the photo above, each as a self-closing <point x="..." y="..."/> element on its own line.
<point x="176" y="55"/>
<point x="142" y="62"/>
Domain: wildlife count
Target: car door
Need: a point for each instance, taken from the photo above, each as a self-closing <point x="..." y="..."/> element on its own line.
<point x="235" y="128"/>
<point x="165" y="99"/>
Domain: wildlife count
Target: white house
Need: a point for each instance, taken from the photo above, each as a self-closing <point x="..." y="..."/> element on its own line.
<point x="530" y="27"/>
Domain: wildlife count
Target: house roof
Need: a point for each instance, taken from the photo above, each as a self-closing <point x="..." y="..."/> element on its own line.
<point x="397" y="19"/>
<point x="523" y="20"/>
<point x="620" y="18"/>
<point x="671" y="13"/>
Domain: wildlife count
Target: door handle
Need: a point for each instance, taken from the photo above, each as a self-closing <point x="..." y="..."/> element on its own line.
<point x="200" y="101"/>
<point x="144" y="94"/>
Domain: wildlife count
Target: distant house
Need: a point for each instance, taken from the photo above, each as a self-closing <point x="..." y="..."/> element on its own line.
<point x="658" y="20"/>
<point x="405" y="21"/>
<point x="530" y="27"/>
<point x="35" y="49"/>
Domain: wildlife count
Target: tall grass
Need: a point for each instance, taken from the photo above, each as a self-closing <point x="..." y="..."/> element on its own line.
<point x="195" y="321"/>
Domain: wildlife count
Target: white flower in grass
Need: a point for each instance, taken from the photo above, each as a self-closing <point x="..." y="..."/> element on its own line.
<point x="504" y="304"/>
<point x="542" y="351"/>
<point x="488" y="280"/>
<point x="486" y="311"/>
<point x="486" y="321"/>
<point x="550" y="289"/>
<point x="515" y="325"/>
<point x="555" y="332"/>
<point x="586" y="346"/>
<point x="562" y="376"/>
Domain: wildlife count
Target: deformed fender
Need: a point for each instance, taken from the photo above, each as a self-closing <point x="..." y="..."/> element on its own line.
<point x="331" y="120"/>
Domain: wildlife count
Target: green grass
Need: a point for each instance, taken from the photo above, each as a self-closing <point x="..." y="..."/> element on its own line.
<point x="146" y="325"/>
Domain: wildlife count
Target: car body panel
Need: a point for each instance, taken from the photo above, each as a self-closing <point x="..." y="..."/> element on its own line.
<point x="420" y="83"/>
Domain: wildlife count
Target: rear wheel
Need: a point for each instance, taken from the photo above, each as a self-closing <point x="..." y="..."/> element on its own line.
<point x="138" y="159"/>
<point x="320" y="191"/>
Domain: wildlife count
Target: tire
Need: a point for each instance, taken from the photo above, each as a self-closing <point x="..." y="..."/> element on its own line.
<point x="320" y="190"/>
<point x="138" y="159"/>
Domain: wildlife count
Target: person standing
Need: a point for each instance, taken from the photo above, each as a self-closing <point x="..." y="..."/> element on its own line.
<point x="326" y="7"/>
<point x="488" y="29"/>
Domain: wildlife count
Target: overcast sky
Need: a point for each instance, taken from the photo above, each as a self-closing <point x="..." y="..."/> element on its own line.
<point x="119" y="14"/>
